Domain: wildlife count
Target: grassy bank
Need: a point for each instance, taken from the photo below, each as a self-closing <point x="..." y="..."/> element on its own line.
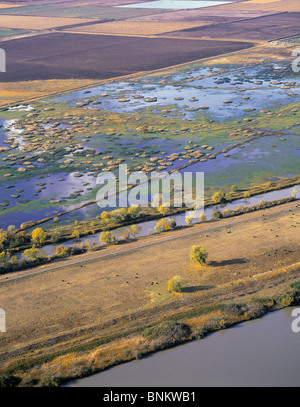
<point x="80" y="361"/>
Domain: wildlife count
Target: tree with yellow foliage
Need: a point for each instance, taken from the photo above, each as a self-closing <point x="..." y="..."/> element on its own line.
<point x="38" y="236"/>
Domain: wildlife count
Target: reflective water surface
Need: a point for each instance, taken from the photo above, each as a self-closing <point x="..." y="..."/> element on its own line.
<point x="263" y="352"/>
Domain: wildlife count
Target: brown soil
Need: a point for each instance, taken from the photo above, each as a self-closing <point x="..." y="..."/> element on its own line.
<point x="65" y="56"/>
<point x="259" y="29"/>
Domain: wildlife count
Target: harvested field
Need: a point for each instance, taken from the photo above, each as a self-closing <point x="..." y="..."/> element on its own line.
<point x="262" y="28"/>
<point x="262" y="5"/>
<point x="94" y="11"/>
<point x="135" y="28"/>
<point x="20" y="91"/>
<point x="213" y="15"/>
<point x="61" y="56"/>
<point x="2" y="6"/>
<point x="38" y="23"/>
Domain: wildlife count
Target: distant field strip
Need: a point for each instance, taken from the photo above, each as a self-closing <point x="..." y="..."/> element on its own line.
<point x="97" y="12"/>
<point x="9" y="5"/>
<point x="263" y="5"/>
<point x="37" y="23"/>
<point x="136" y="27"/>
<point x="9" y="33"/>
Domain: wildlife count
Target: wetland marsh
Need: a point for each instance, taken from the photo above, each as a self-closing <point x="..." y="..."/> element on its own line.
<point x="192" y="119"/>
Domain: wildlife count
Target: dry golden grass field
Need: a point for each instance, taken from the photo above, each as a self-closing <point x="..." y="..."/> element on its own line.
<point x="13" y="92"/>
<point x="122" y="287"/>
<point x="37" y="23"/>
<point x="2" y="5"/>
<point x="263" y="5"/>
<point x="135" y="28"/>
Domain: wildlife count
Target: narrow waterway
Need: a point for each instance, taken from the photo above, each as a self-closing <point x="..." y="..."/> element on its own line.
<point x="147" y="227"/>
<point x="262" y="352"/>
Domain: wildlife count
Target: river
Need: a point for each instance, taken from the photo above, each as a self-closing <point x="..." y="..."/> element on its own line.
<point x="259" y="353"/>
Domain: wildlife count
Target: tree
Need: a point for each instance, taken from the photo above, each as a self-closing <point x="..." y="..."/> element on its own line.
<point x="202" y="217"/>
<point x="219" y="197"/>
<point x="61" y="251"/>
<point x="4" y="258"/>
<point x="233" y="188"/>
<point x="3" y="238"/>
<point x="145" y="128"/>
<point x="162" y="209"/>
<point x="246" y="194"/>
<point x="216" y="214"/>
<point x="11" y="228"/>
<point x="105" y="216"/>
<point x="189" y="221"/>
<point x="133" y="211"/>
<point x="294" y="193"/>
<point x="107" y="238"/>
<point x="171" y="223"/>
<point x="75" y="234"/>
<point x="126" y="234"/>
<point x="38" y="236"/>
<point x="175" y="284"/>
<point x="135" y="230"/>
<point x="55" y="236"/>
<point x="31" y="254"/>
<point x="159" y="225"/>
<point x="198" y="254"/>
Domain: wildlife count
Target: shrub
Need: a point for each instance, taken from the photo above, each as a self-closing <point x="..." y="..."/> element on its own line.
<point x="219" y="197"/>
<point x="7" y="380"/>
<point x="159" y="225"/>
<point x="126" y="234"/>
<point x="202" y="218"/>
<point x="61" y="251"/>
<point x="296" y="285"/>
<point x="48" y="381"/>
<point x="256" y="310"/>
<point x="27" y="381"/>
<point x="3" y="238"/>
<point x="75" y="234"/>
<point x="31" y="254"/>
<point x="167" y="332"/>
<point x="233" y="309"/>
<point x="107" y="238"/>
<point x="216" y="214"/>
<point x="189" y="221"/>
<point x="55" y="236"/>
<point x="135" y="230"/>
<point x="198" y="254"/>
<point x="171" y="223"/>
<point x="175" y="284"/>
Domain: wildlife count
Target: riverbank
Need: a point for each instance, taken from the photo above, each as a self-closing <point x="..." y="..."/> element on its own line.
<point x="83" y="361"/>
<point x="72" y="328"/>
<point x="249" y="354"/>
